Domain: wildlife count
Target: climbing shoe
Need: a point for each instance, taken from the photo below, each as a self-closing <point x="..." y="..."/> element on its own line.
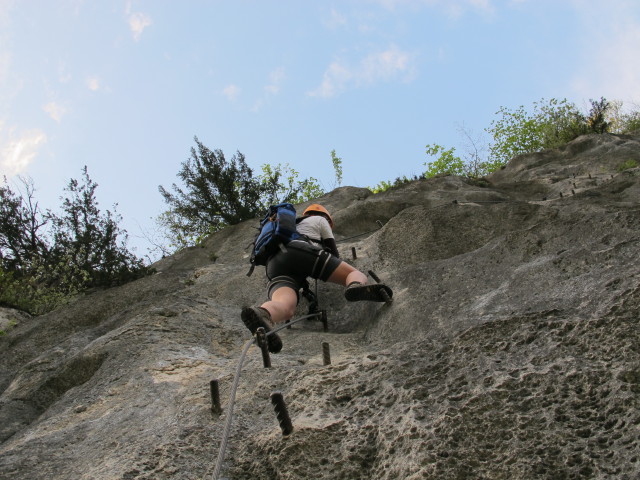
<point x="373" y="292"/>
<point x="254" y="318"/>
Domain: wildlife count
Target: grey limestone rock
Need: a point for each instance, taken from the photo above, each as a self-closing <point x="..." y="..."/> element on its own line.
<point x="511" y="349"/>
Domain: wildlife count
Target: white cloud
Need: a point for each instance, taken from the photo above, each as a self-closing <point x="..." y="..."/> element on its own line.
<point x="93" y="83"/>
<point x="335" y="20"/>
<point x="17" y="153"/>
<point x="388" y="65"/>
<point x="334" y="81"/>
<point x="454" y="8"/>
<point x="55" y="110"/>
<point x="481" y="4"/>
<point x="276" y="77"/>
<point x="611" y="68"/>
<point x="275" y="80"/>
<point x="64" y="76"/>
<point x="385" y="65"/>
<point x="137" y="23"/>
<point x="231" y="92"/>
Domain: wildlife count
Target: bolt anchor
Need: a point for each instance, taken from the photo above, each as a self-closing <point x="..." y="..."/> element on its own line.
<point x="281" y="413"/>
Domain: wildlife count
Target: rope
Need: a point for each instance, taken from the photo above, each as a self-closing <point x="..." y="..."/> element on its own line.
<point x="356" y="236"/>
<point x="381" y="225"/>
<point x="234" y="388"/>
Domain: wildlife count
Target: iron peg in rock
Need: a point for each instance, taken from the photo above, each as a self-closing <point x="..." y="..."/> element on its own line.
<point x="216" y="408"/>
<point x="281" y="413"/>
<point x="353" y="253"/>
<point x="374" y="276"/>
<point x="326" y="354"/>
<point x="325" y="322"/>
<point x="261" y="339"/>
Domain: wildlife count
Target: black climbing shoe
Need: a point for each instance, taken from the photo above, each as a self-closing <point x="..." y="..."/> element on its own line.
<point x="372" y="292"/>
<point x="254" y="318"/>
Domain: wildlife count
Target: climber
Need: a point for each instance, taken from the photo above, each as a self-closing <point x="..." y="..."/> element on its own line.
<point x="314" y="255"/>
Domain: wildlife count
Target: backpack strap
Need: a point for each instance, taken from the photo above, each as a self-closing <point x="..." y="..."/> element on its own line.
<point x="251" y="269"/>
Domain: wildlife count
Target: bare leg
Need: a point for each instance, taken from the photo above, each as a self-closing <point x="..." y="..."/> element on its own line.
<point x="346" y="274"/>
<point x="282" y="305"/>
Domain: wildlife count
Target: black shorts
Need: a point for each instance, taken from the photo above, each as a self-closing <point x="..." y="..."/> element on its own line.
<point x="302" y="259"/>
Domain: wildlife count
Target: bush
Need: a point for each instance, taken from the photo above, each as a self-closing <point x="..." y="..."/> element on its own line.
<point x="551" y="124"/>
<point x="631" y="122"/>
<point x="627" y="165"/>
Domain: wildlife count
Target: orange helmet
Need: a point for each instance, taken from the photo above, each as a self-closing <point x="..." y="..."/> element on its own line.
<point x="316" y="207"/>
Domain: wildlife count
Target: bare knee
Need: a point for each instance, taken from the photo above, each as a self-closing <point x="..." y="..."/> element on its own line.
<point x="282" y="305"/>
<point x="346" y="274"/>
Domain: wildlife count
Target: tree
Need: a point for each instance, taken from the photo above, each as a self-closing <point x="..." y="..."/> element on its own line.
<point x="91" y="242"/>
<point x="621" y="119"/>
<point x="518" y="131"/>
<point x="280" y="184"/>
<point x="337" y="167"/>
<point x="41" y="268"/>
<point x="21" y="224"/>
<point x="219" y="192"/>
<point x="597" y="118"/>
<point x="552" y="124"/>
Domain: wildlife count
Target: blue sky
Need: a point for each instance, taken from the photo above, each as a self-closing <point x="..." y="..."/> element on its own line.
<point x="123" y="86"/>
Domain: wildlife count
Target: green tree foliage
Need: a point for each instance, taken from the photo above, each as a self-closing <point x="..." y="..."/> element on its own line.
<point x="281" y="184"/>
<point x="552" y="123"/>
<point x="472" y="164"/>
<point x="623" y="120"/>
<point x="220" y="192"/>
<point x="337" y="167"/>
<point x="383" y="186"/>
<point x="446" y="163"/>
<point x="21" y="225"/>
<point x="41" y="268"/>
<point x="90" y="241"/>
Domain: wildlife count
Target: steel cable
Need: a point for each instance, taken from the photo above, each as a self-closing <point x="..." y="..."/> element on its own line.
<point x="232" y="396"/>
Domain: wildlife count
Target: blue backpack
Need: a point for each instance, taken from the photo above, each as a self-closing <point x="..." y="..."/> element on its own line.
<point x="277" y="228"/>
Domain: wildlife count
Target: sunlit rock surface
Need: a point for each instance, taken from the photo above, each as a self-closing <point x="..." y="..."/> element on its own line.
<point x="511" y="350"/>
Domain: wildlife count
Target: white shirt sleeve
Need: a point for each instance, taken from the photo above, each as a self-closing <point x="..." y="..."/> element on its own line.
<point x="325" y="228"/>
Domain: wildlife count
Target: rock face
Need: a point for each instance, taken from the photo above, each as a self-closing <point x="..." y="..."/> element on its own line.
<point x="511" y="350"/>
